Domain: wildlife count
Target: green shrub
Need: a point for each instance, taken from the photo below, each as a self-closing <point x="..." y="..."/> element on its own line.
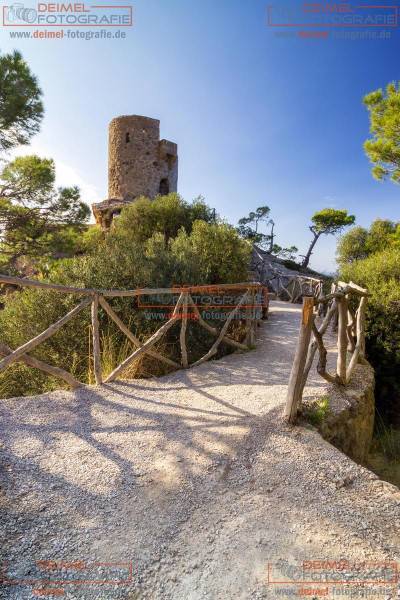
<point x="165" y="215"/>
<point x="359" y="243"/>
<point x="211" y="253"/>
<point x="380" y="273"/>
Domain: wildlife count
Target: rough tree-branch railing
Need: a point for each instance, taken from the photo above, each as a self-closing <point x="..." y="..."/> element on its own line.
<point x="286" y="284"/>
<point x="295" y="288"/>
<point x="350" y="328"/>
<point x="250" y="301"/>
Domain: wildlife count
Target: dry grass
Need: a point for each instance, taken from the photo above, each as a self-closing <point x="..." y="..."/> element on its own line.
<point x="114" y="352"/>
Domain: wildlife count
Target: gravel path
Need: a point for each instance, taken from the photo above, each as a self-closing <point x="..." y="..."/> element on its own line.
<point x="192" y="478"/>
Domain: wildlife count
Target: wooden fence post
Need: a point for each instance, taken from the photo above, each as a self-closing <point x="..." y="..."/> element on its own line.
<point x="182" y="336"/>
<point x="335" y="319"/>
<point x="322" y="307"/>
<point x="342" y="340"/>
<point x="96" y="340"/>
<point x="359" y="350"/>
<point x="295" y="388"/>
<point x="253" y="317"/>
<point x="351" y="328"/>
<point x="265" y="302"/>
<point x="360" y="326"/>
<point x="249" y="319"/>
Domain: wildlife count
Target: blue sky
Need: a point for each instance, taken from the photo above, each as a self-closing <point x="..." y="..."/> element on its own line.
<point x="258" y="119"/>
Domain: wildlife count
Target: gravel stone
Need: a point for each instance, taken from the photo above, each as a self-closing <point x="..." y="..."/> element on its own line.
<point x="193" y="478"/>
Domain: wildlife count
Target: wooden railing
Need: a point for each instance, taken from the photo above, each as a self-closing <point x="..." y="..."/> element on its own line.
<point x="284" y="282"/>
<point x="297" y="287"/>
<point x="250" y="302"/>
<point x="349" y="326"/>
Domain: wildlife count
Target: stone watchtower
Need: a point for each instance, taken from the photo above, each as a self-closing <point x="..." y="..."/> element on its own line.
<point x="139" y="164"/>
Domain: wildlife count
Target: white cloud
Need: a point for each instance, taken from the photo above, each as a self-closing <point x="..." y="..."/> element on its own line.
<point x="67" y="176"/>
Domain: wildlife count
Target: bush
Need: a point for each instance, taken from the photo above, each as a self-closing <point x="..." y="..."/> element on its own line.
<point x="359" y="243"/>
<point x="124" y="259"/>
<point x="380" y="273"/>
<point x="165" y="215"/>
<point x="211" y="253"/>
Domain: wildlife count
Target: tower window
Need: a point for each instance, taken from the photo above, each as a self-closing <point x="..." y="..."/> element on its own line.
<point x="127" y="137"/>
<point x="164" y="187"/>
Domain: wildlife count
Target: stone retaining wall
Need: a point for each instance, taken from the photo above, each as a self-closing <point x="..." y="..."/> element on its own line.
<point x="350" y="423"/>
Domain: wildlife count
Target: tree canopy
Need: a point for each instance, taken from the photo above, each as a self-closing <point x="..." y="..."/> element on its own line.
<point x="328" y="221"/>
<point x="35" y="216"/>
<point x="165" y="214"/>
<point x="212" y="252"/>
<point x="249" y="227"/>
<point x="359" y="243"/>
<point x="21" y="107"/>
<point x="383" y="149"/>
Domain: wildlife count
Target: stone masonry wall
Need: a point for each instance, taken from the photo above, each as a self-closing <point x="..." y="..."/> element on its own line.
<point x="138" y="162"/>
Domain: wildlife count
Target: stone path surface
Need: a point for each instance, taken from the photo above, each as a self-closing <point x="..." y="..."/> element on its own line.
<point x="193" y="479"/>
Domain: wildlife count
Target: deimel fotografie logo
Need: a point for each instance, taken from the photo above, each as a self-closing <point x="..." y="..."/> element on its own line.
<point x="66" y="14"/>
<point x="17" y="13"/>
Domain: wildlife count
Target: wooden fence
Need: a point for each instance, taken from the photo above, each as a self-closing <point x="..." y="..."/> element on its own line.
<point x="286" y="283"/>
<point x="250" y="302"/>
<point x="347" y="323"/>
<point x="295" y="288"/>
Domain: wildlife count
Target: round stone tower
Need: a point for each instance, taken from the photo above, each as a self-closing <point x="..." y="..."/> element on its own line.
<point x="139" y="164"/>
